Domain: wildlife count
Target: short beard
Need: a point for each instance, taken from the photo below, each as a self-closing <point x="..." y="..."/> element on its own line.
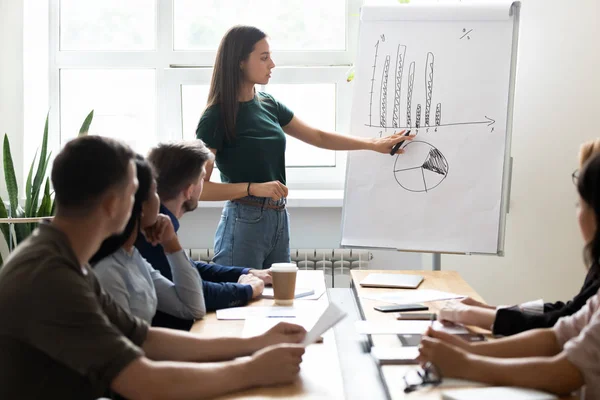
<point x="189" y="205"/>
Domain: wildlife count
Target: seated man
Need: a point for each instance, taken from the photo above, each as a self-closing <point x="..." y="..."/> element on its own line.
<point x="62" y="337"/>
<point x="180" y="170"/>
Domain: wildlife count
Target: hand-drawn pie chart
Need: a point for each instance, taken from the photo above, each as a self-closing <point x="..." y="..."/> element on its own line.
<point x="421" y="168"/>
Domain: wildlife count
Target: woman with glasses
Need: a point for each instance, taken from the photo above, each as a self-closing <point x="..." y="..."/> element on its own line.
<point x="561" y="359"/>
<point x="531" y="315"/>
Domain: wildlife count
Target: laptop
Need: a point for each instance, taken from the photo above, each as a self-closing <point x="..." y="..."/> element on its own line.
<point x="394" y="281"/>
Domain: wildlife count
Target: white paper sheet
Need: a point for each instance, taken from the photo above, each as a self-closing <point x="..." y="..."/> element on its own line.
<point x="300" y="293"/>
<point x="301" y="310"/>
<point x="414" y="296"/>
<point x="443" y="71"/>
<point x="405" y="327"/>
<point x="493" y="393"/>
<point x="396" y="355"/>
<point x="331" y="316"/>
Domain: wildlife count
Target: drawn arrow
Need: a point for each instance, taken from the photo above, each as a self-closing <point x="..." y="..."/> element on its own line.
<point x="488" y="121"/>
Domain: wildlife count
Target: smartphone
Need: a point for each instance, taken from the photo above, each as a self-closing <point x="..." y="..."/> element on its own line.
<point x="401" y="307"/>
<point x="416" y="316"/>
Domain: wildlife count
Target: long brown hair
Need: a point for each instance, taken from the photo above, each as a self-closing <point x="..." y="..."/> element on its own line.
<point x="588" y="186"/>
<point x="235" y="47"/>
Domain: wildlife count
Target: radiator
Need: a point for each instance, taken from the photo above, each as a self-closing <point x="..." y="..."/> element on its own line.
<point x="335" y="263"/>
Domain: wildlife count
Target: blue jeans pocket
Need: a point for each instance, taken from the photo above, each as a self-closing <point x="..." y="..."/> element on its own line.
<point x="220" y="234"/>
<point x="248" y="214"/>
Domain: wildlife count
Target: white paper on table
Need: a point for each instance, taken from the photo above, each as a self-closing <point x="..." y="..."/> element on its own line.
<point x="331" y="316"/>
<point x="305" y="309"/>
<point x="395" y="355"/>
<point x="405" y="327"/>
<point x="500" y="392"/>
<point x="412" y="296"/>
<point x="299" y="293"/>
<point x="311" y="279"/>
<point x="255" y="326"/>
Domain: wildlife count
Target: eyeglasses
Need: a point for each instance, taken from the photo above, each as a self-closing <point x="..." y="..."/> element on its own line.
<point x="418" y="378"/>
<point x="575" y="176"/>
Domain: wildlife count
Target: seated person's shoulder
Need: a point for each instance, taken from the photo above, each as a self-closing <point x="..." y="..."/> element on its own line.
<point x="109" y="266"/>
<point x="26" y="288"/>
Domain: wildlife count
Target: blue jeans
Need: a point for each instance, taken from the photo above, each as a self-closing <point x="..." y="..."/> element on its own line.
<point x="252" y="236"/>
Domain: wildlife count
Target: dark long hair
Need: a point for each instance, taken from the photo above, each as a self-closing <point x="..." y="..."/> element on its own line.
<point x="235" y="47"/>
<point x="145" y="176"/>
<point x="588" y="186"/>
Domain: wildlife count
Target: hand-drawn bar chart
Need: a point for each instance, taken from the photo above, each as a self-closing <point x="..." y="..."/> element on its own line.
<point x="392" y="76"/>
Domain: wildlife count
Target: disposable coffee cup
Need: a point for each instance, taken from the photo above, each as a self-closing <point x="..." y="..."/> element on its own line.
<point x="284" y="283"/>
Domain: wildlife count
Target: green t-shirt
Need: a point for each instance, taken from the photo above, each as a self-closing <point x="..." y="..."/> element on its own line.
<point x="258" y="152"/>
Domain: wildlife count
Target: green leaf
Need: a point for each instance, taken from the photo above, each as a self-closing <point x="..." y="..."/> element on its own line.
<point x="86" y="124"/>
<point x="35" y="196"/>
<point x="41" y="171"/>
<point x="10" y="177"/>
<point x="28" y="185"/>
<point x="53" y="209"/>
<point x="46" y="206"/>
<point x="21" y="230"/>
<point x="1" y="261"/>
<point x="4" y="227"/>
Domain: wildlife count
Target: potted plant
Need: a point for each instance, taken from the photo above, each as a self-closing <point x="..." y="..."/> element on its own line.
<point x="39" y="200"/>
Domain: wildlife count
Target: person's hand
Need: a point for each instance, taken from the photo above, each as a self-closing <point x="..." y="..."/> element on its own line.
<point x="385" y="144"/>
<point x="257" y="285"/>
<point x="457" y="312"/>
<point x="450" y="361"/>
<point x="275" y="365"/>
<point x="283" y="332"/>
<point x="274" y="190"/>
<point x="454" y="340"/>
<point x="262" y="274"/>
<point x="161" y="232"/>
<point x="472" y="302"/>
<point x="454" y="311"/>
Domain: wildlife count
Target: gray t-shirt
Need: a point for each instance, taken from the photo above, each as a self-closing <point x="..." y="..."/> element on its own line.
<point x="141" y="290"/>
<point x="61" y="336"/>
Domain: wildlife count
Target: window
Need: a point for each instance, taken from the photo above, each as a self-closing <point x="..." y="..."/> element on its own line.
<point x="125" y="100"/>
<point x="107" y="25"/>
<point x="145" y="66"/>
<point x="310" y="24"/>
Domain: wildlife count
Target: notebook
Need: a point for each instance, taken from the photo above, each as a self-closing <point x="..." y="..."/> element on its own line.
<point x="395" y="281"/>
<point x="299" y="292"/>
<point x="497" y="393"/>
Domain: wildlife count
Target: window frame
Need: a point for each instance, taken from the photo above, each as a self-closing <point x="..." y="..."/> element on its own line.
<point x="174" y="68"/>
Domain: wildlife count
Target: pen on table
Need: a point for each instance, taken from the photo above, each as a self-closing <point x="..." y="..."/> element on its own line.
<point x="433" y="317"/>
<point x="397" y="145"/>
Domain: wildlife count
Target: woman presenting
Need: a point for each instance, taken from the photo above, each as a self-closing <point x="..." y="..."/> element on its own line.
<point x="246" y="130"/>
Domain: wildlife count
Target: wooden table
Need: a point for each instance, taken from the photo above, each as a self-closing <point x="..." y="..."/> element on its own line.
<point x="447" y="281"/>
<point x="320" y="376"/>
<point x="321" y="372"/>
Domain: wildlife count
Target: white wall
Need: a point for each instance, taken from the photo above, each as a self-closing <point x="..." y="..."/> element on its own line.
<point x="11" y="83"/>
<point x="557" y="102"/>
